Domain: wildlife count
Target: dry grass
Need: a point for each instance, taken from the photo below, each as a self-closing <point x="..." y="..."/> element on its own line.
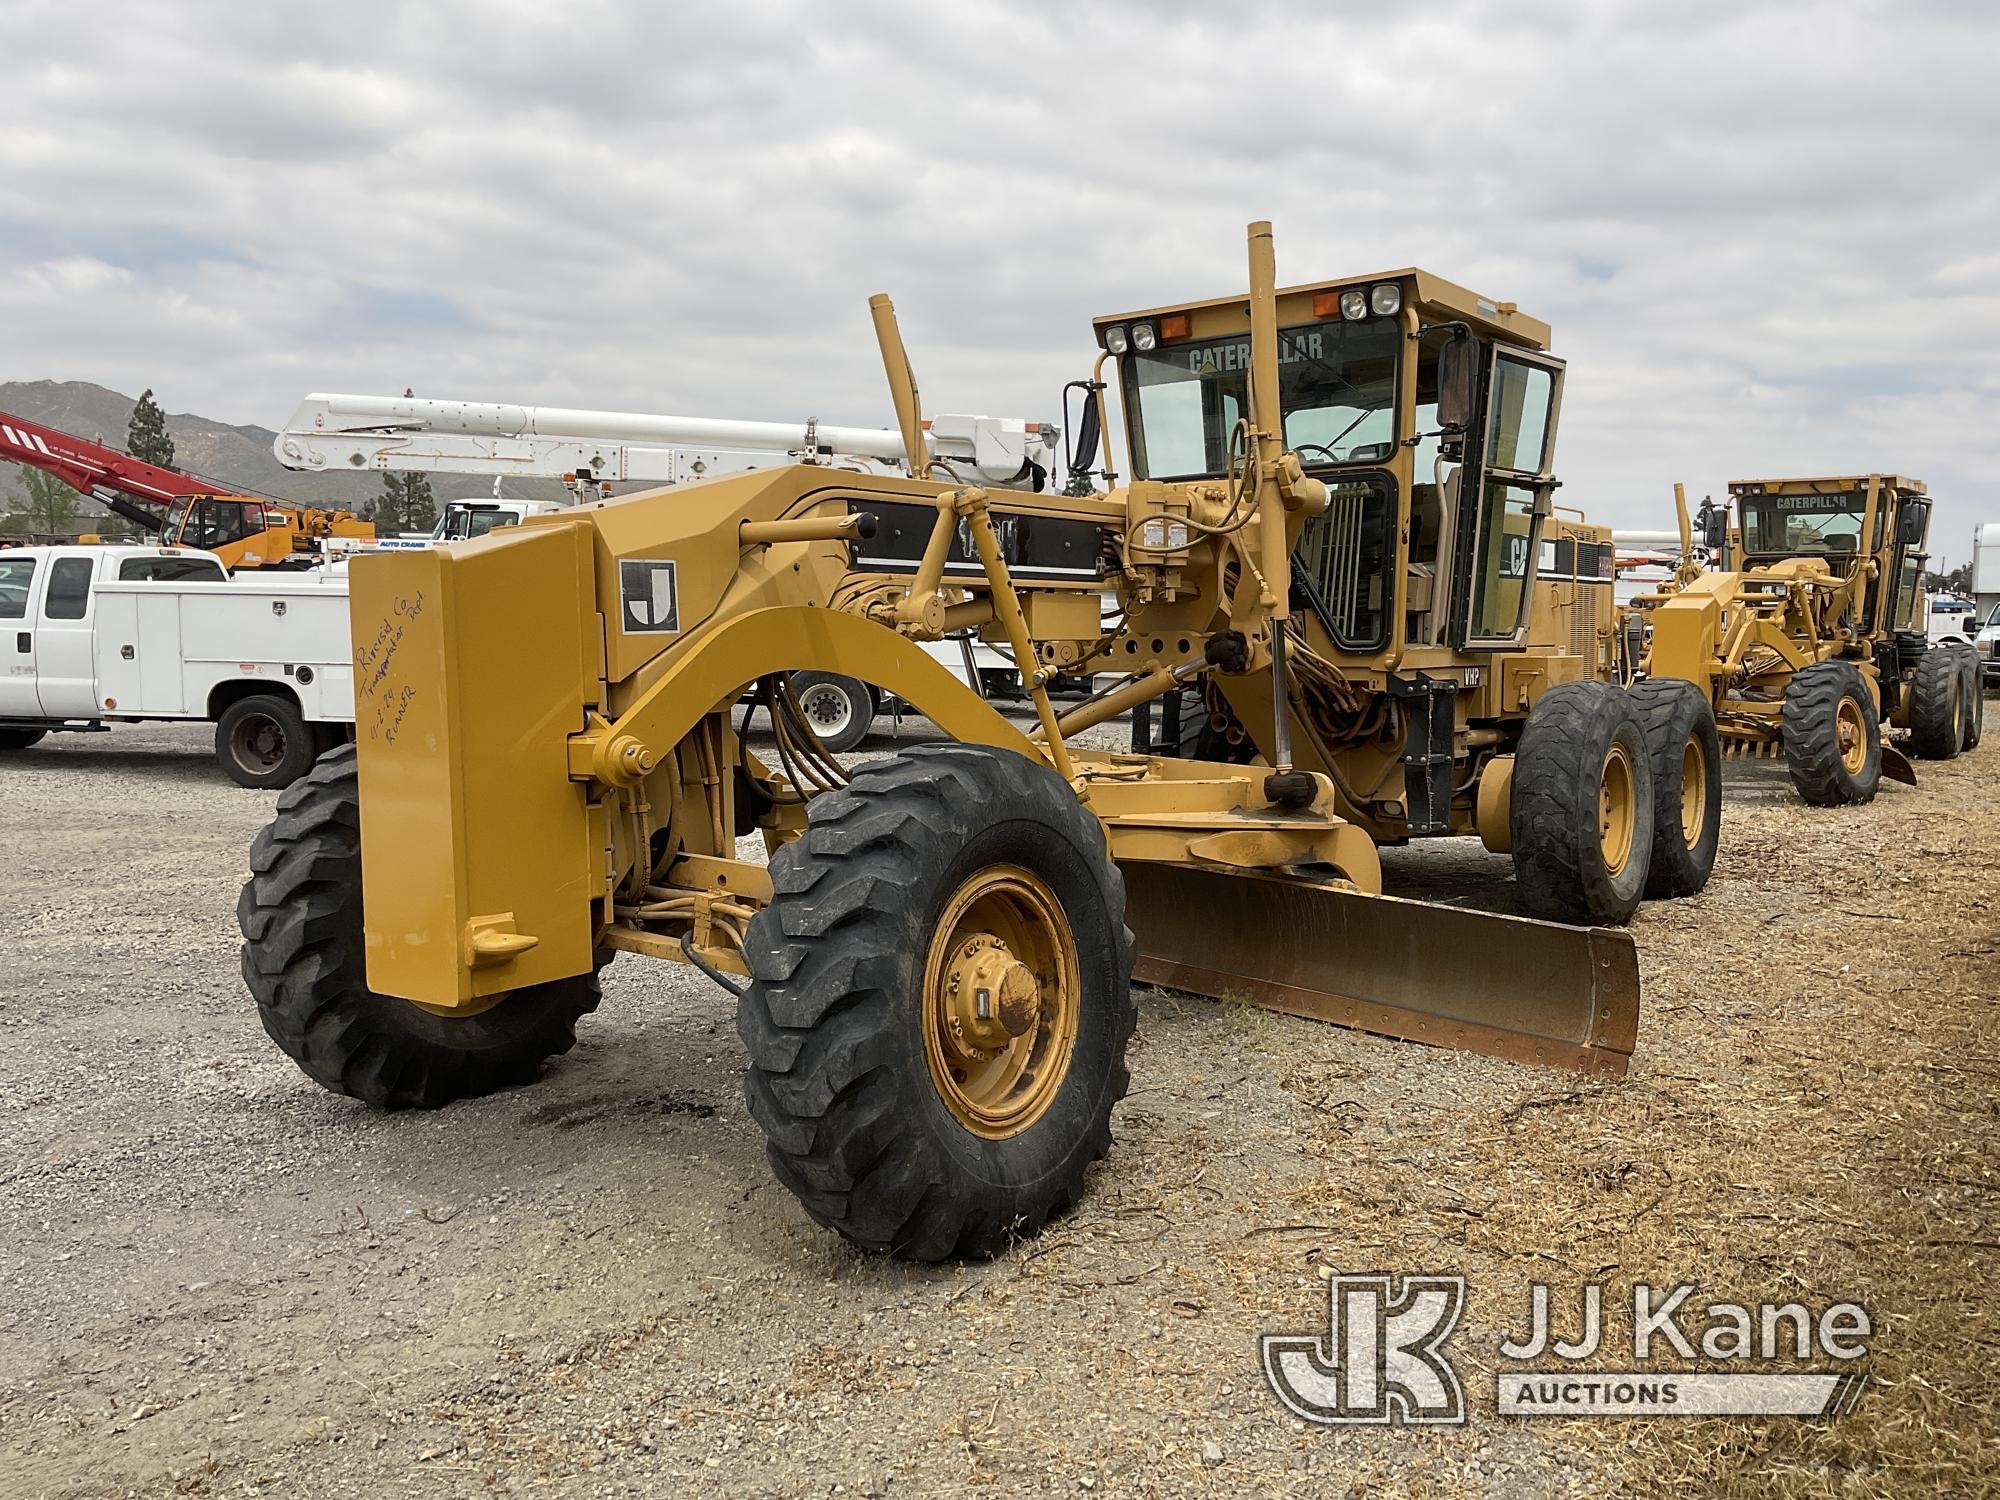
<point x="1811" y="1118"/>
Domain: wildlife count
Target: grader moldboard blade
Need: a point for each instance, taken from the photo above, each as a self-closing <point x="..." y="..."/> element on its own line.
<point x="1510" y="987"/>
<point x="1896" y="765"/>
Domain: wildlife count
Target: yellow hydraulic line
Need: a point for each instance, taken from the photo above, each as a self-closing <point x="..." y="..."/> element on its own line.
<point x="1268" y="431"/>
<point x="1268" y="437"/>
<point x="1007" y="608"/>
<point x="917" y="600"/>
<point x="1127" y="695"/>
<point x="1873" y="552"/>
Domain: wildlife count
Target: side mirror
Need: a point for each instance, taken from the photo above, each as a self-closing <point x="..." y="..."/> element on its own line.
<point x="1458" y="380"/>
<point x="1083" y="458"/>
<point x="1714" y="527"/>
<point x="1913" y="524"/>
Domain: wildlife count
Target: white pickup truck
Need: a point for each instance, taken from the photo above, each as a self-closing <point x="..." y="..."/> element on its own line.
<point x="93" y="636"/>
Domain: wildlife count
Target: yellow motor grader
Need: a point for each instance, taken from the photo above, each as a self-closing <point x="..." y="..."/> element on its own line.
<point x="1334" y="537"/>
<point x="1811" y="639"/>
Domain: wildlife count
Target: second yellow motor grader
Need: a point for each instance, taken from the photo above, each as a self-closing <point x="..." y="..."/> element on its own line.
<point x="934" y="967"/>
<point x="1810" y="639"/>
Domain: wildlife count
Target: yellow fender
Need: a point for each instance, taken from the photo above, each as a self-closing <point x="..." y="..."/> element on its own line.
<point x="708" y="670"/>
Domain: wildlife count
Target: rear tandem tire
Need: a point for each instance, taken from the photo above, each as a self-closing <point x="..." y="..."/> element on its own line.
<point x="21" y="739"/>
<point x="300" y="914"/>
<point x="264" y="742"/>
<point x="1199" y="739"/>
<point x="1825" y="771"/>
<point x="873" y="1114"/>
<point x="1937" y="704"/>
<point x="1583" y="806"/>
<point x="1686" y="754"/>
<point x="1975" y="697"/>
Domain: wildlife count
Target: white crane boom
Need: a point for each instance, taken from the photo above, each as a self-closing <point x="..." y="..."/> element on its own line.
<point x="332" y="432"/>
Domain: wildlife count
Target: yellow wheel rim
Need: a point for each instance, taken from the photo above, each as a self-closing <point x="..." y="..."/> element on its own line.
<point x="1850" y="725"/>
<point x="1002" y="994"/>
<point x="1617" y="809"/>
<point x="1694" y="792"/>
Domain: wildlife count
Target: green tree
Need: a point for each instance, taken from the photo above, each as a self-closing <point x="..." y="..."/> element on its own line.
<point x="146" y="436"/>
<point x="405" y="504"/>
<point x="47" y="507"/>
<point x="1957" y="581"/>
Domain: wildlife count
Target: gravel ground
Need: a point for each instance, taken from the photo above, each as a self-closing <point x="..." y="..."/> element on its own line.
<point x="217" y="1279"/>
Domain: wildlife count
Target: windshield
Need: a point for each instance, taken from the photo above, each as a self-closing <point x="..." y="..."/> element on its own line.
<point x="463" y="521"/>
<point x="1791" y="525"/>
<point x="1336" y="387"/>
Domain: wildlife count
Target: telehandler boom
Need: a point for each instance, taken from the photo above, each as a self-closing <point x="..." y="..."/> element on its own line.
<point x="244" y="531"/>
<point x="934" y="968"/>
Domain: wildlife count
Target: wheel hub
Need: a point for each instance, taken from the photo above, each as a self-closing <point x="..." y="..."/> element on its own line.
<point x="826" y="708"/>
<point x="1694" y="792"/>
<point x="259" y="744"/>
<point x="992" y="997"/>
<point x="1848" y="729"/>
<point x="1616" y="809"/>
<point x="1001" y="1000"/>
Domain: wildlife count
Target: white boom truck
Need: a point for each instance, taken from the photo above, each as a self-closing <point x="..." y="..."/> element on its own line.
<point x="591" y="450"/>
<point x="96" y="635"/>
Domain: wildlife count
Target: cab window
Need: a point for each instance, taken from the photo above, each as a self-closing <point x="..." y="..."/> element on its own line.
<point x="1344" y="557"/>
<point x="170" y="570"/>
<point x="216" y="523"/>
<point x="1503" y="558"/>
<point x="1336" y="394"/>
<point x="69" y="589"/>
<point x="1523" y="397"/>
<point x="16" y="573"/>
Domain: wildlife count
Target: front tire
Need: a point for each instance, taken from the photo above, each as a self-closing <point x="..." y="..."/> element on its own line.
<point x="905" y="1111"/>
<point x="1582" y="810"/>
<point x="1686" y="756"/>
<point x="1832" y="735"/>
<point x="264" y="742"/>
<point x="300" y="914"/>
<point x="21" y="739"/>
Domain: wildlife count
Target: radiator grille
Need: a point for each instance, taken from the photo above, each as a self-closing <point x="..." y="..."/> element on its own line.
<point x="1583" y="621"/>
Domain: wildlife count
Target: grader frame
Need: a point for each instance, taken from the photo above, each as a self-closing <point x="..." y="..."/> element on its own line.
<point x="427" y="913"/>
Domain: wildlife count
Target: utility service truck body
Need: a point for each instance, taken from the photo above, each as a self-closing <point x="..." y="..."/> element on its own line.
<point x="101" y="635"/>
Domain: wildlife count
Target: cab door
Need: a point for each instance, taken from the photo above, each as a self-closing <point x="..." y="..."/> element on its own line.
<point x="1514" y="456"/>
<point x="65" y="672"/>
<point x="18" y="606"/>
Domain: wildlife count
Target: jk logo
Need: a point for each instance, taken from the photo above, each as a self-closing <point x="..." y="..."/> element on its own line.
<point x="1379" y="1358"/>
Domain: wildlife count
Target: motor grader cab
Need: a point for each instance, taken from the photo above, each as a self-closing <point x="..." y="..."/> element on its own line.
<point x="934" y="967"/>
<point x="1813" y="644"/>
<point x="1439" y="596"/>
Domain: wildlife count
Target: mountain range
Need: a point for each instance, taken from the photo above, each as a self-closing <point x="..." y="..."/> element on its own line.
<point x="236" y="458"/>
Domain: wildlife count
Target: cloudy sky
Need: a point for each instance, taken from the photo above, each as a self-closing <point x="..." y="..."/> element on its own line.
<point x="1768" y="235"/>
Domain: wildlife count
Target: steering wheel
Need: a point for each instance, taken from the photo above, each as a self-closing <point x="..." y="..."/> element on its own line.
<point x="1331" y="456"/>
